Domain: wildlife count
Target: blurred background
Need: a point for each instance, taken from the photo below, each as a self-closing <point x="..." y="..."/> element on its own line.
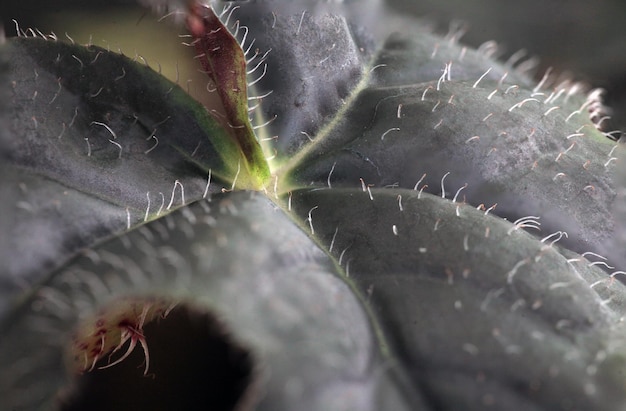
<point x="584" y="37"/>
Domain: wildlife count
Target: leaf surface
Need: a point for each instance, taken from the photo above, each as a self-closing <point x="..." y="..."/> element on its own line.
<point x="482" y="313"/>
<point x="497" y="148"/>
<point x="402" y="106"/>
<point x="243" y="260"/>
<point x="96" y="143"/>
<point x="340" y="288"/>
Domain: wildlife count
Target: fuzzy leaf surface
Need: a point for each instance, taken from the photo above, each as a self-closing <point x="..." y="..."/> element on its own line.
<point x="396" y="106"/>
<point x="526" y="162"/>
<point x="242" y="259"/>
<point x="478" y="312"/>
<point x="339" y="50"/>
<point x="481" y="313"/>
<point x="95" y="143"/>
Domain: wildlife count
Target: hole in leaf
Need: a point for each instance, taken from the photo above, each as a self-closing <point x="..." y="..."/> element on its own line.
<point x="193" y="365"/>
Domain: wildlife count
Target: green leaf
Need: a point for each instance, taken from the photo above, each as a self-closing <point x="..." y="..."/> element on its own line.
<point x="617" y="246"/>
<point x="315" y="59"/>
<point x="242" y="260"/>
<point x="481" y="312"/>
<point x="97" y="143"/>
<point x="526" y="162"/>
<point x="335" y="55"/>
<point x="531" y="151"/>
<point x="334" y="292"/>
<point x="422" y="109"/>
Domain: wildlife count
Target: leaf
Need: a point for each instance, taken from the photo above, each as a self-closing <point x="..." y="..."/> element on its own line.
<point x="395" y="298"/>
<point x="482" y="313"/>
<point x="97" y="144"/>
<point x="497" y="148"/>
<point x="241" y="259"/>
<point x="223" y="60"/>
<point x="308" y="81"/>
<point x="337" y="54"/>
<point x="617" y="246"/>
<point x="422" y="109"/>
<point x="533" y="151"/>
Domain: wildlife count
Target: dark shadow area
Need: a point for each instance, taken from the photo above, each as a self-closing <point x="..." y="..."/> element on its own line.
<point x="32" y="13"/>
<point x="194" y="365"/>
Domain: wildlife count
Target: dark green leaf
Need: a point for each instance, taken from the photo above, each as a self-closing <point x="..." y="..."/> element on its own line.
<point x="242" y="259"/>
<point x="315" y="60"/>
<point x="441" y="306"/>
<point x="422" y="105"/>
<point x="335" y="56"/>
<point x="507" y="144"/>
<point x="97" y="143"/>
<point x="481" y="311"/>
